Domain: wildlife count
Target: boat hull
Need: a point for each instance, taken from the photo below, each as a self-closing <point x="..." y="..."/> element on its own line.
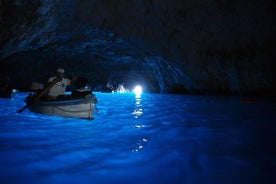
<point x="76" y="108"/>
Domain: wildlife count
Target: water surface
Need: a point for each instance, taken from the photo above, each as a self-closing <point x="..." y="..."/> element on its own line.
<point x="155" y="138"/>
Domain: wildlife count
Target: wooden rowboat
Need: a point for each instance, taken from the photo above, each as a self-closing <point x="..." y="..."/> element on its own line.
<point x="74" y="108"/>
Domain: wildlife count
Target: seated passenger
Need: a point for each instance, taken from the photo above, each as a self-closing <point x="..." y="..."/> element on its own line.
<point x="59" y="84"/>
<point x="82" y="88"/>
<point x="36" y="88"/>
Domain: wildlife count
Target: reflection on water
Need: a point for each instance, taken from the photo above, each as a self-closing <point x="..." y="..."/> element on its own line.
<point x="139" y="145"/>
<point x="138" y="107"/>
<point x="152" y="138"/>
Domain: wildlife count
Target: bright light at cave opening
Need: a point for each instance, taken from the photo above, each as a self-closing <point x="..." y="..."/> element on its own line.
<point x="137" y="90"/>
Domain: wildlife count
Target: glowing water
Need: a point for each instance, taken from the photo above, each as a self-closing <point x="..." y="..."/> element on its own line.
<point x="156" y="138"/>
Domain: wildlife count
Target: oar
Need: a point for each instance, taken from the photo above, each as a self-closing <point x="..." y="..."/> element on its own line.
<point x="40" y="94"/>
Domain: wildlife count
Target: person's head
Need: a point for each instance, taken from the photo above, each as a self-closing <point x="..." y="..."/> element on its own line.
<point x="60" y="72"/>
<point x="35" y="86"/>
<point x="81" y="82"/>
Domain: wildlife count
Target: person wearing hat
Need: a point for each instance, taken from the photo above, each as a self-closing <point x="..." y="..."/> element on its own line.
<point x="59" y="87"/>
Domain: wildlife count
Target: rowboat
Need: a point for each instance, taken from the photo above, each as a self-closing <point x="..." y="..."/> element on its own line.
<point x="73" y="108"/>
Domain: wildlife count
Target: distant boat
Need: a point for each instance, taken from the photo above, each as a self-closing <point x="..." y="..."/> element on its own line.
<point x="73" y="108"/>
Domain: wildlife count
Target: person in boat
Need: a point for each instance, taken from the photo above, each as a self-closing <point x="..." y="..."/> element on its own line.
<point x="59" y="87"/>
<point x="36" y="87"/>
<point x="83" y="89"/>
<point x="108" y="88"/>
<point x="72" y="85"/>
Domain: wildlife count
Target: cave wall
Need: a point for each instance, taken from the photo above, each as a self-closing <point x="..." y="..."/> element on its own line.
<point x="186" y="46"/>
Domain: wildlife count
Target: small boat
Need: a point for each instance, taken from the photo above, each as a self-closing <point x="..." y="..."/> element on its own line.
<point x="74" y="108"/>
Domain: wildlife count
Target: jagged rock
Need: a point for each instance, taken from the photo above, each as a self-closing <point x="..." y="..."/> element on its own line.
<point x="168" y="46"/>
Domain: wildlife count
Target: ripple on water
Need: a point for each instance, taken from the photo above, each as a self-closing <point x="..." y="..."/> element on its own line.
<point x="156" y="138"/>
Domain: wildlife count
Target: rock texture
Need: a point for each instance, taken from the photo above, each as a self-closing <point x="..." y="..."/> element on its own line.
<point x="219" y="46"/>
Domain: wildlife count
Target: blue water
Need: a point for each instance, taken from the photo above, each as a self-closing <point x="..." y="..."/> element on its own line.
<point x="157" y="138"/>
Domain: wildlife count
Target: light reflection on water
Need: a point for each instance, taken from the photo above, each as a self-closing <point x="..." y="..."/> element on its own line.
<point x="154" y="138"/>
<point x="138" y="107"/>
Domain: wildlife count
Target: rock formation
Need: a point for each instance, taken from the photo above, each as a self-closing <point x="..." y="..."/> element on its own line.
<point x="215" y="46"/>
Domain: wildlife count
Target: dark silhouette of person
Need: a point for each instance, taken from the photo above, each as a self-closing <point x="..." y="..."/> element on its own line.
<point x="82" y="88"/>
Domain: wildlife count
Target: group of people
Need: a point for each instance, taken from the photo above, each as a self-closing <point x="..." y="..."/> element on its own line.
<point x="56" y="87"/>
